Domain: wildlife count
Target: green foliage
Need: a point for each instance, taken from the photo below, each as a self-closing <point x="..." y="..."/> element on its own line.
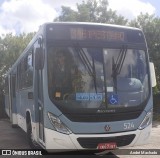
<point x="10" y="48"/>
<point x="67" y="14"/>
<point x="91" y="11"/>
<point x="150" y="25"/>
<point x="88" y="11"/>
<point x="98" y="11"/>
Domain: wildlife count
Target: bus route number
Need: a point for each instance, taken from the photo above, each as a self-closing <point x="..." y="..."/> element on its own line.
<point x="129" y="125"/>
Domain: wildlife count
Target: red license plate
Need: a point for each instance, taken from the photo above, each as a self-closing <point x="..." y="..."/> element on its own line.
<point x="111" y="145"/>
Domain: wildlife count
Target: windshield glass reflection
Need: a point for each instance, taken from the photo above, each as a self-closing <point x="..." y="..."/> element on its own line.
<point x="97" y="78"/>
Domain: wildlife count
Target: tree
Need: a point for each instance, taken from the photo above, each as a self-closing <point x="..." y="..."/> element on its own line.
<point x="150" y="25"/>
<point x="10" y="48"/>
<point x="67" y="14"/>
<point x="92" y="11"/>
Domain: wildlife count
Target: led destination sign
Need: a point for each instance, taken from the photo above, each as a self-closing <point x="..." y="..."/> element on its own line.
<point x="82" y="34"/>
<point x="90" y="33"/>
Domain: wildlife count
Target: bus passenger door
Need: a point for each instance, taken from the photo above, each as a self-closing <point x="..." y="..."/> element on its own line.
<point x="39" y="91"/>
<point x="12" y="96"/>
<point x="40" y="105"/>
<point x="13" y="113"/>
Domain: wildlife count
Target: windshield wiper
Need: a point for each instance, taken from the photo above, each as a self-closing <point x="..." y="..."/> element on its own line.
<point x="117" y="66"/>
<point x="90" y="67"/>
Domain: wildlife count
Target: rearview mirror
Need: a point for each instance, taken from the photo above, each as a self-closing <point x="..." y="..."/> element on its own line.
<point x="39" y="59"/>
<point x="152" y="74"/>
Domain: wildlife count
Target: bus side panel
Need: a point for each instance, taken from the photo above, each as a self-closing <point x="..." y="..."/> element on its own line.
<point x="13" y="98"/>
<point x="21" y="113"/>
<point x="7" y="104"/>
<point x="14" y="112"/>
<point x="6" y="100"/>
<point x="24" y="104"/>
<point x="18" y="107"/>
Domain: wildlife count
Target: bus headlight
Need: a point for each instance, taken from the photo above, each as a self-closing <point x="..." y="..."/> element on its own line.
<point x="58" y="124"/>
<point x="147" y="120"/>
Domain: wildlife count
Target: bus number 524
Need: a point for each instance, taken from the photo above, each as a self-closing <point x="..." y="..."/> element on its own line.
<point x="129" y="125"/>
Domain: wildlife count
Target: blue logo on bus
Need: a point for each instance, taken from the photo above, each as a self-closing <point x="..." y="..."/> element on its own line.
<point x="113" y="99"/>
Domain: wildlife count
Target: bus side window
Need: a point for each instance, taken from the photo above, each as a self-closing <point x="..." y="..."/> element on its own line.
<point x="29" y="70"/>
<point x="6" y="89"/>
<point x="18" y="77"/>
<point x="21" y="74"/>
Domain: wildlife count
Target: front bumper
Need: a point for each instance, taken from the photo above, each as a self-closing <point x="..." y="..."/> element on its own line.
<point x="58" y="141"/>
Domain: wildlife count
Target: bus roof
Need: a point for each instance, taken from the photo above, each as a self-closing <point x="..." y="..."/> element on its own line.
<point x="87" y="24"/>
<point x="91" y="24"/>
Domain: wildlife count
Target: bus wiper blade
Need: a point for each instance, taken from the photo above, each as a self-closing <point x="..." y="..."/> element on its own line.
<point x="119" y="62"/>
<point x="85" y="60"/>
<point x="94" y="75"/>
<point x="117" y="66"/>
<point x="90" y="68"/>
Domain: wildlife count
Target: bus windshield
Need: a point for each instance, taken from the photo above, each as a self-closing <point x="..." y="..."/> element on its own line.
<point x="97" y="78"/>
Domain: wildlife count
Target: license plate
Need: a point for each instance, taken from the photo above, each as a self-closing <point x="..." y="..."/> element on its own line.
<point x="111" y="145"/>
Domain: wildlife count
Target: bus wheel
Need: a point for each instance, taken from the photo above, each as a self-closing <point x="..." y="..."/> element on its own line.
<point x="30" y="139"/>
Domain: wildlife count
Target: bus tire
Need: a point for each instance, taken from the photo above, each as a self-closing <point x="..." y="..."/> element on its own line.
<point x="32" y="143"/>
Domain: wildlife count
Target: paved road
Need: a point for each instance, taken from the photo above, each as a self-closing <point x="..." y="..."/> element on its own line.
<point x="11" y="138"/>
<point x="16" y="138"/>
<point x="154" y="143"/>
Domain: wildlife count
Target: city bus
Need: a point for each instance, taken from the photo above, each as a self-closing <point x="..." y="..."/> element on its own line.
<point x="82" y="86"/>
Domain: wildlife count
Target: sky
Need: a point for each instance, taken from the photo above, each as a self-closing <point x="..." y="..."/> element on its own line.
<point x="24" y="16"/>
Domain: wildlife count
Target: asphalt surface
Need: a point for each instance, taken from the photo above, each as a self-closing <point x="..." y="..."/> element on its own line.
<point x="15" y="138"/>
<point x="12" y="138"/>
<point x="153" y="144"/>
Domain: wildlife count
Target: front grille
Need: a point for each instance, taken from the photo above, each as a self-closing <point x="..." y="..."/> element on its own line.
<point x="103" y="117"/>
<point x="93" y="142"/>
